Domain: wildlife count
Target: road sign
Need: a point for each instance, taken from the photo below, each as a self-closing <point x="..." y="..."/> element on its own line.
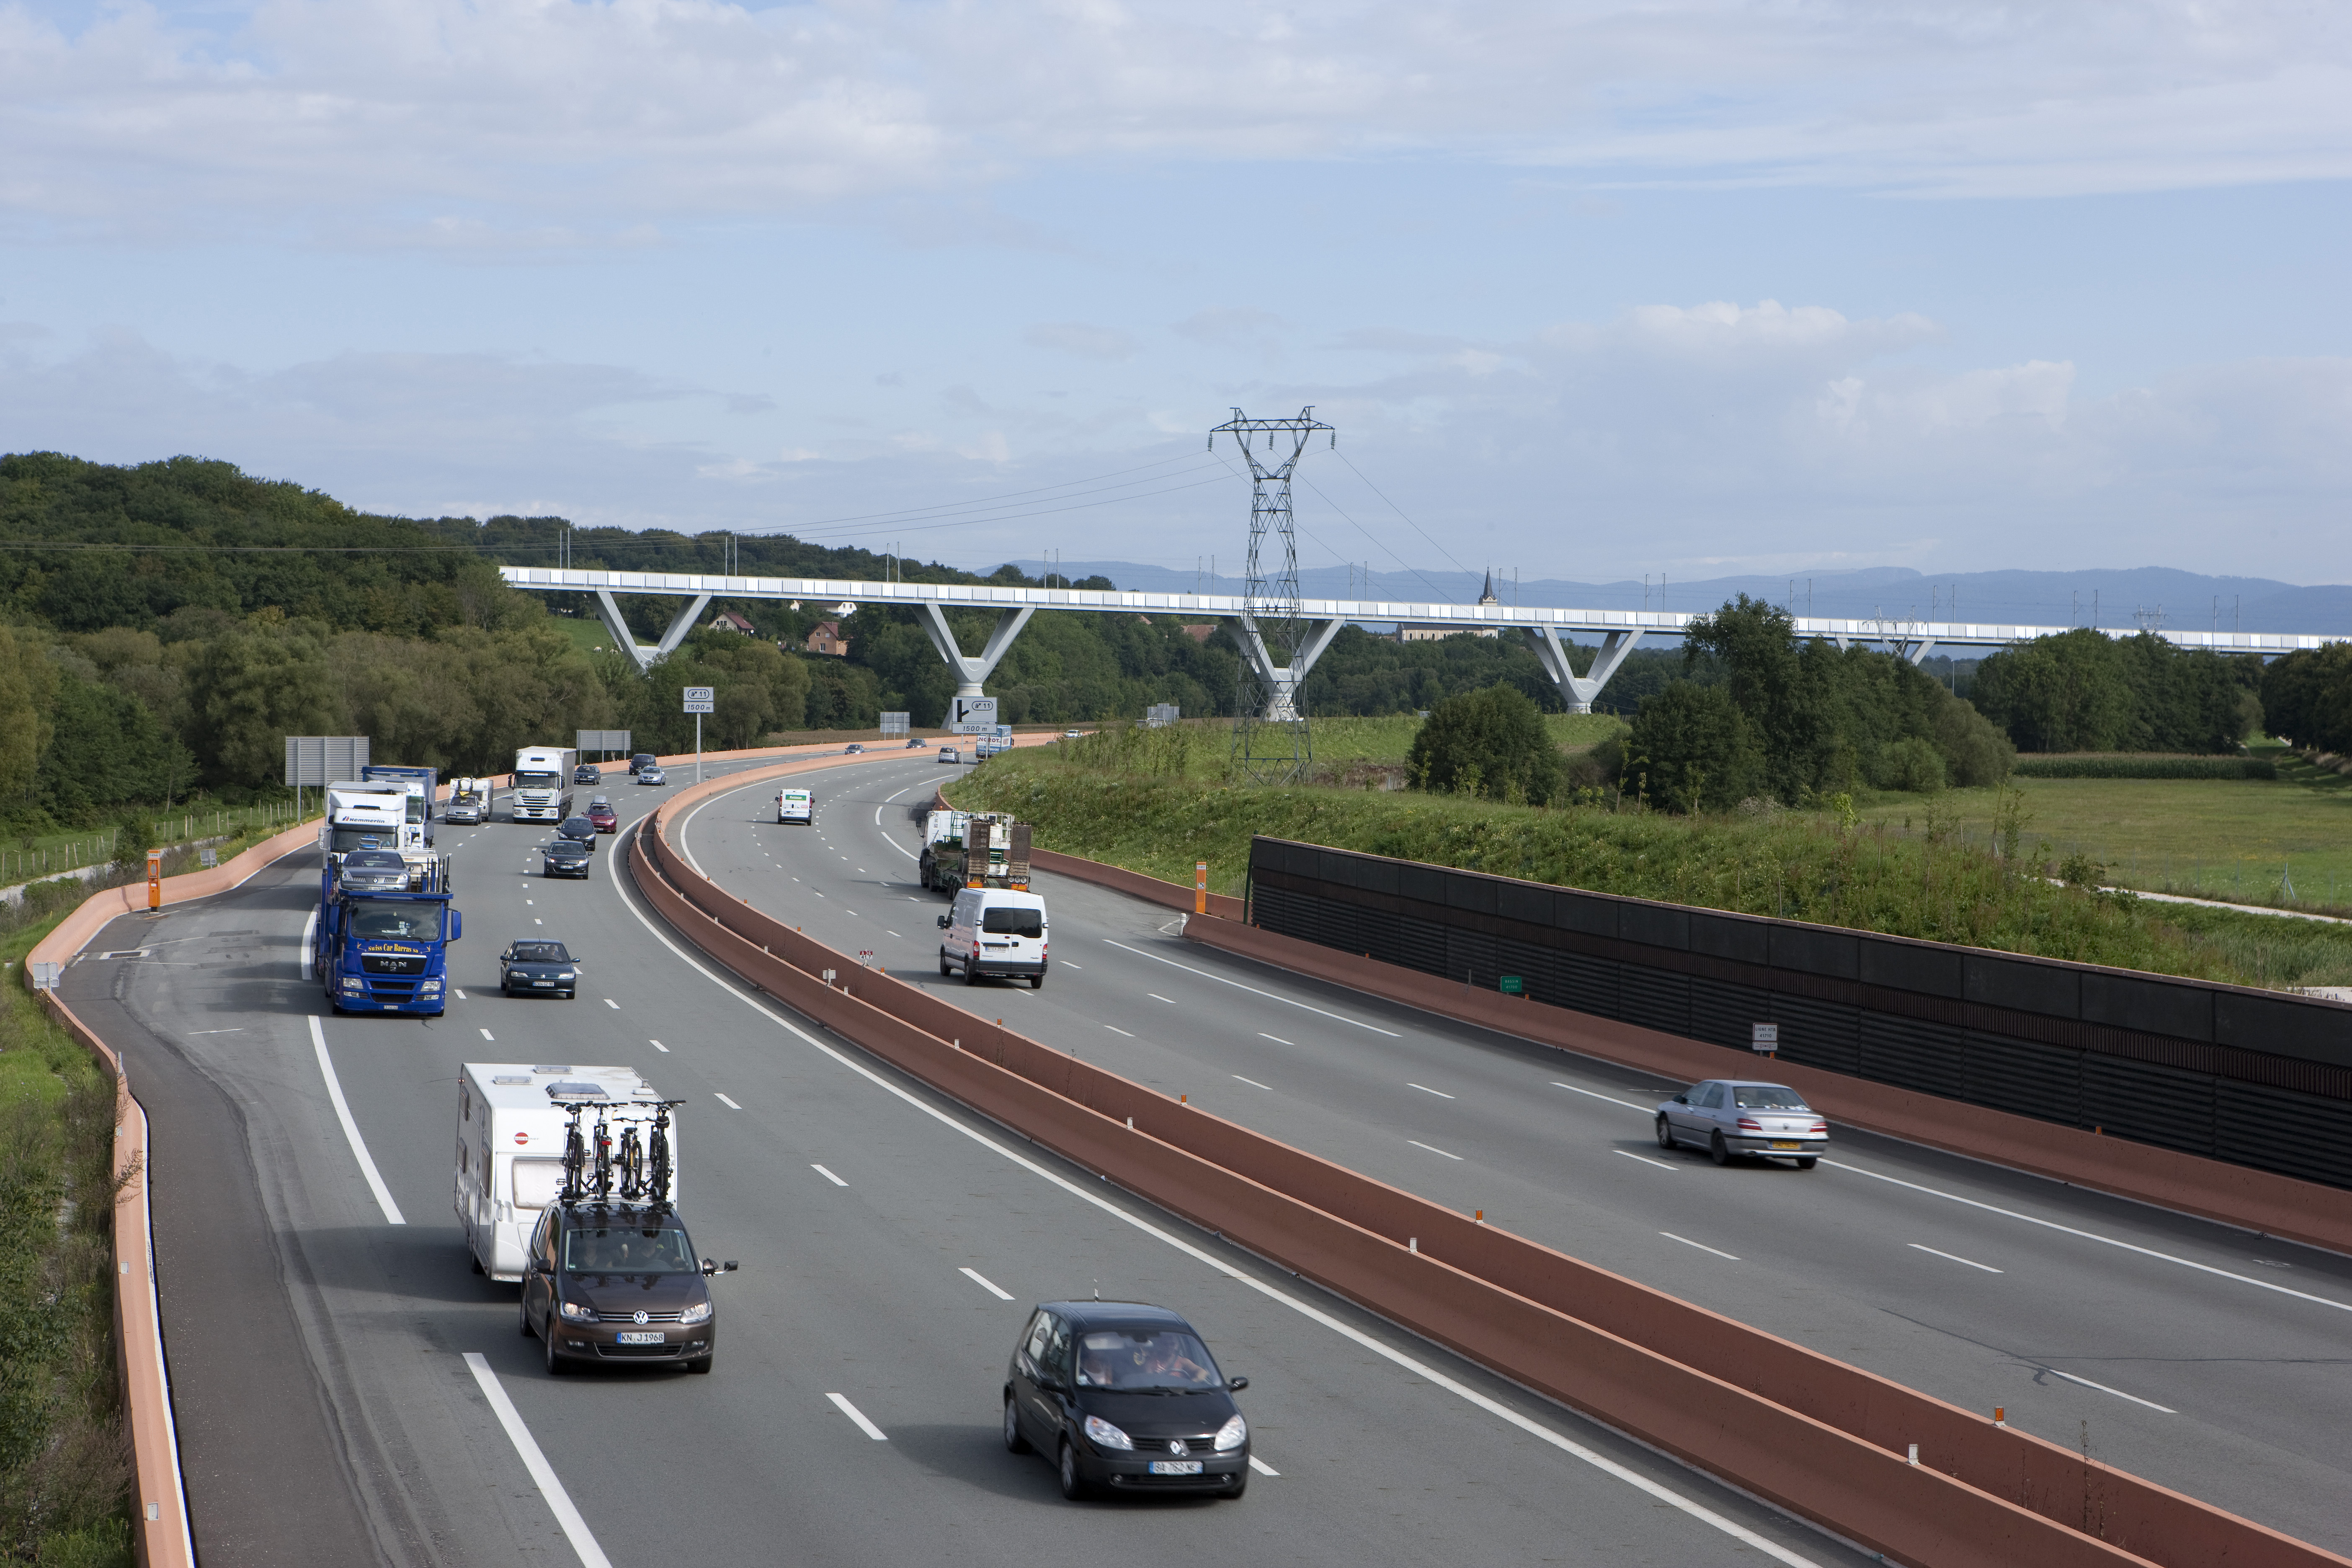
<point x="973" y="716"/>
<point x="601" y="739"/>
<point x="322" y="760"/>
<point x="698" y="699"/>
<point x="894" y="724"/>
<point x="1763" y="1037"/>
<point x="1512" y="985"/>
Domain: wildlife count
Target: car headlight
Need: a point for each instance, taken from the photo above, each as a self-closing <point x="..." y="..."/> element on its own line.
<point x="353" y="983"/>
<point x="567" y="975"/>
<point x="1103" y="1435"/>
<point x="698" y="1313"/>
<point x="1232" y="1435"/>
<point x="575" y="1313"/>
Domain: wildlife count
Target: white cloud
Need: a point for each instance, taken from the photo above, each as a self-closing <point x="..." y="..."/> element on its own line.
<point x="533" y="123"/>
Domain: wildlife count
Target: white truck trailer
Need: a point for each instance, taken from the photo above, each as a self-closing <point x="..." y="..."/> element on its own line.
<point x="511" y="1123"/>
<point x="543" y="783"/>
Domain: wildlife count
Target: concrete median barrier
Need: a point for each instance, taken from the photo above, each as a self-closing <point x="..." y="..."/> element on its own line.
<point x="1827" y="1441"/>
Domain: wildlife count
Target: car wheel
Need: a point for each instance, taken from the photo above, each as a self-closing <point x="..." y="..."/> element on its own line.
<point x="1717" y="1152"/>
<point x="1037" y="981"/>
<point x="970" y="972"/>
<point x="1074" y="1485"/>
<point x="1665" y="1133"/>
<point x="1015" y="1443"/>
<point x="522" y="1324"/>
<point x="701" y="1364"/>
<point x="945" y="968"/>
<point x="573" y="994"/>
<point x="1806" y="1162"/>
<point x="1238" y="1485"/>
<point x="555" y="1367"/>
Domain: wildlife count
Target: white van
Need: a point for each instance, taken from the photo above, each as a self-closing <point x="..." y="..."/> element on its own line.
<point x="795" y="805"/>
<point x="511" y="1119"/>
<point x="994" y="931"/>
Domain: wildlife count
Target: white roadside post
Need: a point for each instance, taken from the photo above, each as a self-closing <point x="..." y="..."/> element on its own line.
<point x="698" y="702"/>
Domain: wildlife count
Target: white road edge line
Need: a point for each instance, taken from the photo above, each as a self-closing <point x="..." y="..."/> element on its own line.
<point x="1253" y="991"/>
<point x="1661" y="1164"/>
<point x="1703" y="1247"/>
<point x="1409" y="1365"/>
<point x="820" y="1170"/>
<point x="1610" y="1099"/>
<point x="559" y="1502"/>
<point x="1426" y="1089"/>
<point x="1956" y="1257"/>
<point x="727" y="1103"/>
<point x="1430" y="1147"/>
<point x="2118" y="1393"/>
<point x="352" y="1129"/>
<point x="1262" y="1467"/>
<point x="977" y="1278"/>
<point x="2091" y="1235"/>
<point x="858" y="1415"/>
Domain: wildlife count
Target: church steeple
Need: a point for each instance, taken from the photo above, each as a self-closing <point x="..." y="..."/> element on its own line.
<point x="1487" y="594"/>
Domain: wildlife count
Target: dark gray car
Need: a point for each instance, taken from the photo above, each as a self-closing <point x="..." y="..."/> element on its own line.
<point x="546" y="967"/>
<point x="1744" y="1117"/>
<point x="1124" y="1396"/>
<point x="565" y="857"/>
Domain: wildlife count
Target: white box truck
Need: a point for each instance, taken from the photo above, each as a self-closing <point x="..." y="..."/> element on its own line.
<point x="511" y="1121"/>
<point x="543" y="783"/>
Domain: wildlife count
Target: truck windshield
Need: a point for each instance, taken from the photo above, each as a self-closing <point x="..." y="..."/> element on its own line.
<point x="655" y="1250"/>
<point x="537" y="780"/>
<point x="344" y="840"/>
<point x="384" y="920"/>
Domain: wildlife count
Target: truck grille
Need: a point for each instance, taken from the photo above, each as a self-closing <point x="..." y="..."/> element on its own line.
<point x="391" y="964"/>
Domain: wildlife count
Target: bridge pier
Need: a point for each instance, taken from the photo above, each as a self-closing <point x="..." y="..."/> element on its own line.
<point x="1282" y="682"/>
<point x="1581" y="690"/>
<point x="971" y="671"/>
<point x="679" y="624"/>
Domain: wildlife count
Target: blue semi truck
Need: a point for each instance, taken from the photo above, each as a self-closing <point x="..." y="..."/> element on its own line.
<point x="387" y="952"/>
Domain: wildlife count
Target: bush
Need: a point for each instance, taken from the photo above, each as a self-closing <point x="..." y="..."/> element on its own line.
<point x="1911" y="764"/>
<point x="1692" y="750"/>
<point x="1489" y="744"/>
<point x="1977" y="755"/>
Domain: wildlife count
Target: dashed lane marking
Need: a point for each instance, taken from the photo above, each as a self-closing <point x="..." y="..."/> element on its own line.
<point x="820" y="1170"/>
<point x="728" y="1103"/>
<point x="858" y="1415"/>
<point x="977" y="1278"/>
<point x="1703" y="1247"/>
<point x="1430" y="1147"/>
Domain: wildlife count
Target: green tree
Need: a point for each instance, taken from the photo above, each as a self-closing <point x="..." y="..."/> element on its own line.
<point x="252" y="689"/>
<point x="1692" y="748"/>
<point x="26" y="679"/>
<point x="1489" y="744"/>
<point x="2307" y="698"/>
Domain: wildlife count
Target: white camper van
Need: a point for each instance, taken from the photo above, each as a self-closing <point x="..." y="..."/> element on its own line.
<point x="511" y="1120"/>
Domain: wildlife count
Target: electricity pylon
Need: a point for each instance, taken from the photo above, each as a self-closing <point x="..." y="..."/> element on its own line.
<point x="1271" y="745"/>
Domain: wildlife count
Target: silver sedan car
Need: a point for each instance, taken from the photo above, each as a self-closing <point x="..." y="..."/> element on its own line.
<point x="1728" y="1116"/>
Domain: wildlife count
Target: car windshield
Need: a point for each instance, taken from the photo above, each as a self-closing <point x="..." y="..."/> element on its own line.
<point x="576" y="824"/>
<point x="1144" y="1360"/>
<point x="661" y="1249"/>
<point x="1766" y="1097"/>
<point x="541" y="952"/>
<point x="566" y="849"/>
<point x="1004" y="921"/>
<point x="384" y="921"/>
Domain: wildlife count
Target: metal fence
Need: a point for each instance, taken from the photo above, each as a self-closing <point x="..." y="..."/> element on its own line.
<point x="2220" y="1070"/>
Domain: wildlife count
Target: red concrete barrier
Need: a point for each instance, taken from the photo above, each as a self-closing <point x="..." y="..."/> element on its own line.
<point x="1822" y="1439"/>
<point x="2255" y="1200"/>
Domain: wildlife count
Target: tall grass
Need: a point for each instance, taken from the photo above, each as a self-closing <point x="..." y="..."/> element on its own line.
<point x="1817" y="866"/>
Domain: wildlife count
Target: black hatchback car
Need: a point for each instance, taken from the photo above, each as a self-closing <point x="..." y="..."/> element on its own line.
<point x="579" y="829"/>
<point x="619" y="1282"/>
<point x="565" y="857"/>
<point x="544" y="966"/>
<point x="587" y="773"/>
<point x="1124" y="1396"/>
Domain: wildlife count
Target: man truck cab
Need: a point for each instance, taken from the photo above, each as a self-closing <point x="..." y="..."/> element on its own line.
<point x="994" y="931"/>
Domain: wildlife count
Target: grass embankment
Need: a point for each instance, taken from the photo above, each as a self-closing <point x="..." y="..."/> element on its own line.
<point x="27" y="857"/>
<point x="65" y="1455"/>
<point x="1931" y="882"/>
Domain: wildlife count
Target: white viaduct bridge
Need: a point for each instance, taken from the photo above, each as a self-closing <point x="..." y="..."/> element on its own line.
<point x="1619" y="630"/>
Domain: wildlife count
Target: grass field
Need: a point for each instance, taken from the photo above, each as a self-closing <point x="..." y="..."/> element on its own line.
<point x="1348" y="750"/>
<point x="2236" y="840"/>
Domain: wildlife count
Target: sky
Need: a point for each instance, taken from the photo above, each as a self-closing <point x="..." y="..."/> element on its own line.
<point x="1587" y="289"/>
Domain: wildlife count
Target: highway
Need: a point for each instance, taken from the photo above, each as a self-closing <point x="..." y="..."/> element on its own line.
<point x="347" y="1391"/>
<point x="2207" y="1359"/>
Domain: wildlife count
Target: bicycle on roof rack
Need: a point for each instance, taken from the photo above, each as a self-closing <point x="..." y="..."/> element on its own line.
<point x="596" y="1162"/>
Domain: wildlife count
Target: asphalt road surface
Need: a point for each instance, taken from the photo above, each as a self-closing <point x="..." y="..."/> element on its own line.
<point x="2208" y="1359"/>
<point x="347" y="1390"/>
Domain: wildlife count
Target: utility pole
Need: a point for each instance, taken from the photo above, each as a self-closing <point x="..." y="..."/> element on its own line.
<point x="1271" y="745"/>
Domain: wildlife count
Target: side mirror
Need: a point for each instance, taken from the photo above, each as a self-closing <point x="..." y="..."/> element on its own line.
<point x="943" y="923"/>
<point x="1235" y="1385"/>
<point x="456" y="925"/>
<point x="713" y="1266"/>
<point x="507" y="957"/>
<point x="1682" y="1099"/>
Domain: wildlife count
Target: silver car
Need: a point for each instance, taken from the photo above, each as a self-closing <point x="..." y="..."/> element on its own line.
<point x="1728" y="1116"/>
<point x="374" y="872"/>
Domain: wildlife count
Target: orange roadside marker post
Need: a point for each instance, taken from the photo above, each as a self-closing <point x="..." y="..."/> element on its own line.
<point x="1199" y="887"/>
<point x="154" y="879"/>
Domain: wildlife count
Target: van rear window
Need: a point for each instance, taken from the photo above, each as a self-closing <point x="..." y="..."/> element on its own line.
<point x="1004" y="921"/>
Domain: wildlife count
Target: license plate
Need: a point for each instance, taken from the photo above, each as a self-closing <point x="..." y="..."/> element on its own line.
<point x="550" y="982"/>
<point x="646" y="1337"/>
<point x="1175" y="1466"/>
<point x="1778" y="1143"/>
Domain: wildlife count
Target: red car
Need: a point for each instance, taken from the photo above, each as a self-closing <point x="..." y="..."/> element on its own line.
<point x="601" y="817"/>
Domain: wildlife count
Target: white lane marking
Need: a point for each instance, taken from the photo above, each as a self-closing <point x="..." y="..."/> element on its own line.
<point x="559" y="1502"/>
<point x="1255" y="1084"/>
<point x="982" y="1280"/>
<point x="1426" y="1089"/>
<point x="659" y="1046"/>
<point x="1956" y="1257"/>
<point x="1430" y="1147"/>
<point x="888" y="798"/>
<point x="1703" y="1247"/>
<point x="1262" y="1467"/>
<point x="352" y="1129"/>
<point x="1067" y="964"/>
<point x="858" y="1415"/>
<point x="2093" y="1236"/>
<point x="2118" y="1393"/>
<point x="193" y="1033"/>
<point x="615" y="1006"/>
<point x="888" y="931"/>
<point x="1255" y="990"/>
<point x="1411" y="1365"/>
<point x="528" y="900"/>
<point x="1661" y="1164"/>
<point x="1157" y="997"/>
<point x="1612" y="1098"/>
<point x="537" y="921"/>
<point x="310" y="934"/>
<point x="820" y="1170"/>
<point x="489" y="1036"/>
<point x="459" y="995"/>
<point x="1278" y="1039"/>
<point x="812" y="889"/>
<point x="878" y="810"/>
<point x="728" y="1103"/>
<point x="1113" y="1029"/>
